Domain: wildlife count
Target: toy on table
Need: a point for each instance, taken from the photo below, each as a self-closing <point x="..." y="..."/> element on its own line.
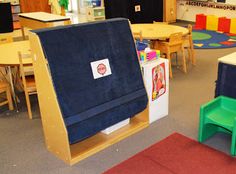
<point x="148" y="54"/>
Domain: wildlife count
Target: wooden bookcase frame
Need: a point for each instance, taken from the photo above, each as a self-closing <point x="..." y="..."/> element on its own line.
<point x="55" y="132"/>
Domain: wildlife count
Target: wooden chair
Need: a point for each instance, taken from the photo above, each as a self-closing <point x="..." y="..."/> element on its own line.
<point x="5" y="88"/>
<point x="175" y="44"/>
<point x="138" y="35"/>
<point x="188" y="44"/>
<point x="141" y="44"/>
<point x="28" y="81"/>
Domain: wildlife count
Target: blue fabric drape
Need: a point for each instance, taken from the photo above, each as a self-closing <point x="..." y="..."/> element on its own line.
<point x="226" y="83"/>
<point x="6" y="21"/>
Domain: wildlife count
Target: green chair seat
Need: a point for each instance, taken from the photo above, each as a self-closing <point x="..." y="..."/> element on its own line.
<point x="222" y="117"/>
<point x="219" y="115"/>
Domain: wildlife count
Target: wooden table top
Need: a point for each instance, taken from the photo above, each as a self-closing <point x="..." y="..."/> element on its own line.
<point x="9" y="52"/>
<point x="43" y="16"/>
<point x="157" y="31"/>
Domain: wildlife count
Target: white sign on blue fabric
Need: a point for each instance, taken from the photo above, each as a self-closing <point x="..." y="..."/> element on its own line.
<point x="100" y="68"/>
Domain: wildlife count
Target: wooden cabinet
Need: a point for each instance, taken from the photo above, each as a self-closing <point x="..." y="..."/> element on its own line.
<point x="15" y="8"/>
<point x="169" y="7"/>
<point x="34" y="6"/>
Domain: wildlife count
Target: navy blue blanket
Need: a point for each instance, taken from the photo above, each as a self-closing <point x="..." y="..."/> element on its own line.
<point x="226" y="80"/>
<point x="89" y="105"/>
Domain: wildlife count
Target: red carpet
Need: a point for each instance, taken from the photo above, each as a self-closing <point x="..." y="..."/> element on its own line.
<point x="177" y="154"/>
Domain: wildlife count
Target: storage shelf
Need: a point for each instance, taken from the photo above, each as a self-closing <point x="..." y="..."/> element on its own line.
<point x="15" y="11"/>
<point x="55" y="132"/>
<point x="100" y="141"/>
<point x="95" y="13"/>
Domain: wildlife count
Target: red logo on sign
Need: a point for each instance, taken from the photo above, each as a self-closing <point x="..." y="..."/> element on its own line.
<point x="101" y="69"/>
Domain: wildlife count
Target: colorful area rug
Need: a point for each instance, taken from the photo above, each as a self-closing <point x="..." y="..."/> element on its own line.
<point x="205" y="39"/>
<point x="177" y="154"/>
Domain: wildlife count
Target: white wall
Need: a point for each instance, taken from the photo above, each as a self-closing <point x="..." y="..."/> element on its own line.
<point x="231" y="2"/>
<point x="74" y="5"/>
<point x="188" y="12"/>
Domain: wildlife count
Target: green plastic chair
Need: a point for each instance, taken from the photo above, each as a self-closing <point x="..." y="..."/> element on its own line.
<point x="219" y="115"/>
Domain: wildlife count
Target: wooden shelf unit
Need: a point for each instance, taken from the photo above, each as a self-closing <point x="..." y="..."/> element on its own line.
<point x="15" y="11"/>
<point x="55" y="132"/>
<point x="95" y="13"/>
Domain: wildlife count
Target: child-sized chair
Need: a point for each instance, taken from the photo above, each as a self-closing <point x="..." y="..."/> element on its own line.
<point x="188" y="44"/>
<point x="219" y="115"/>
<point x="175" y="44"/>
<point x="28" y="81"/>
<point x="5" y="88"/>
<point x="141" y="44"/>
<point x="138" y="35"/>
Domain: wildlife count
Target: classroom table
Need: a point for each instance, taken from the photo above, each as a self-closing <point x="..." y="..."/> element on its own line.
<point x="157" y="31"/>
<point x="37" y="20"/>
<point x="9" y="58"/>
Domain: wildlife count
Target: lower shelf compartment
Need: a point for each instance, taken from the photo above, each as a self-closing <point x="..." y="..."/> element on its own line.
<point x="100" y="141"/>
